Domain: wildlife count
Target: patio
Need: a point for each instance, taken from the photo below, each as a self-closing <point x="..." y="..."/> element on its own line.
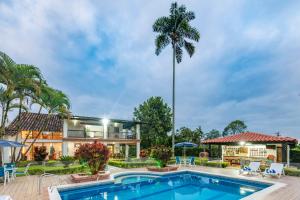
<point x="27" y="187"/>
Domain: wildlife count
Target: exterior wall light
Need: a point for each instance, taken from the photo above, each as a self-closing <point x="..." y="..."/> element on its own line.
<point x="105" y="121"/>
<point x="242" y="143"/>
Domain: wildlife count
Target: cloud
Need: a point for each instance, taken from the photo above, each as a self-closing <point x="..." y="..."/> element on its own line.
<point x="101" y="53"/>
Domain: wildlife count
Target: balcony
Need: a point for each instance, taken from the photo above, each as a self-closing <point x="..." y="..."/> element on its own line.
<point x="100" y="135"/>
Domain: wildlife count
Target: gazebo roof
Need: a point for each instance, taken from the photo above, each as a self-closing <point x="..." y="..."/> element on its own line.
<point x="250" y="137"/>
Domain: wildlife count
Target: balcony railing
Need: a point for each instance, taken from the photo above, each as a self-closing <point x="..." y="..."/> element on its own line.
<point x="99" y="134"/>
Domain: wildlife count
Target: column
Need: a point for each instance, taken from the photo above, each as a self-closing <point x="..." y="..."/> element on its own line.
<point x="65" y="129"/>
<point x="105" y="130"/>
<point x="288" y="155"/>
<point x="65" y="148"/>
<point x="138" y="150"/>
<point x="138" y="131"/>
<point x="126" y="150"/>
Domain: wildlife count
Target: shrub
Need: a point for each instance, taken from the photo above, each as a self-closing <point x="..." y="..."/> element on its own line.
<point x="96" y="155"/>
<point x="217" y="164"/>
<point x="292" y="171"/>
<point x="40" y="153"/>
<point x="162" y="154"/>
<point x="202" y="161"/>
<point x="124" y="164"/>
<point x="67" y="160"/>
<point x="144" y="153"/>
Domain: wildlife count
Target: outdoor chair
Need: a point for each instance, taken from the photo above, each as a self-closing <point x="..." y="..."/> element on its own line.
<point x="276" y="169"/>
<point x="4" y="175"/>
<point x="191" y="161"/>
<point x="25" y="172"/>
<point x="11" y="168"/>
<point x="252" y="168"/>
<point x="5" y="197"/>
<point x="178" y="160"/>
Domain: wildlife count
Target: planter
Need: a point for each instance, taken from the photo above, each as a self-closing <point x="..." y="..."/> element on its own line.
<point x="82" y="177"/>
<point x="164" y="169"/>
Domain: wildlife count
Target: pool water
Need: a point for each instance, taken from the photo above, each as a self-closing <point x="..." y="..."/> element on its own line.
<point x="180" y="186"/>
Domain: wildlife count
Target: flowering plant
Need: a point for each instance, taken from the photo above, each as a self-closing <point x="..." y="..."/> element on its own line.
<point x="162" y="154"/>
<point x="144" y="153"/>
<point x="96" y="155"/>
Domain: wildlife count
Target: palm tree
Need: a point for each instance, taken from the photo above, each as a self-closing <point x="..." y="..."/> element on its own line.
<point x="176" y="30"/>
<point x="55" y="102"/>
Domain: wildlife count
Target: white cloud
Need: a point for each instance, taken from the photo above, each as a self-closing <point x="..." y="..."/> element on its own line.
<point x="58" y="35"/>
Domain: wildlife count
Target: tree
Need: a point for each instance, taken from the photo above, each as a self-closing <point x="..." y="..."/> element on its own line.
<point x="176" y="30"/>
<point x="234" y="127"/>
<point x="55" y="102"/>
<point x="212" y="134"/>
<point x="155" y="116"/>
<point x="185" y="134"/>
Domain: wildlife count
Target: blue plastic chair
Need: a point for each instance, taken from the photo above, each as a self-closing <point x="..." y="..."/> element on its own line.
<point x="4" y="175"/>
<point x="11" y="168"/>
<point x="25" y="172"/>
<point x="191" y="161"/>
<point x="178" y="160"/>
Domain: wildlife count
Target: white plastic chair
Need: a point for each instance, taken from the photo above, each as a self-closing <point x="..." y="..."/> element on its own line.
<point x="276" y="169"/>
<point x="254" y="167"/>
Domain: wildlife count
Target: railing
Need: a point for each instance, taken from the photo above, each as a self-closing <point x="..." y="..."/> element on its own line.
<point x="99" y="134"/>
<point x="76" y="133"/>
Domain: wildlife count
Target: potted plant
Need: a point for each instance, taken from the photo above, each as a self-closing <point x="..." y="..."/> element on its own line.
<point x="143" y="154"/>
<point x="40" y="153"/>
<point x="162" y="155"/>
<point x="96" y="156"/>
<point x="66" y="160"/>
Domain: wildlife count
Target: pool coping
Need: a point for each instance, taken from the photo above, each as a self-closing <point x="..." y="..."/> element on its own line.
<point x="260" y="195"/>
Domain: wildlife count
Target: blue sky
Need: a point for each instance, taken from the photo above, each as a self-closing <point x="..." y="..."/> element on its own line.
<point x="101" y="53"/>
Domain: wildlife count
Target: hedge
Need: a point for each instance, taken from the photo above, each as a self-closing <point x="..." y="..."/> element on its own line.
<point x="292" y="171"/>
<point x="40" y="169"/>
<point x="124" y="164"/>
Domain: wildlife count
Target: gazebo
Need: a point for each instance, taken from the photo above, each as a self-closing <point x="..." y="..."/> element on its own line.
<point x="250" y="146"/>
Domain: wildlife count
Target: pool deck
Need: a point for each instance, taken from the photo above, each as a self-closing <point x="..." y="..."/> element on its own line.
<point x="27" y="187"/>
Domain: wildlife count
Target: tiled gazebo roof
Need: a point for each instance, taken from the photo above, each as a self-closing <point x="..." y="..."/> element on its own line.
<point x="250" y="137"/>
<point x="35" y="122"/>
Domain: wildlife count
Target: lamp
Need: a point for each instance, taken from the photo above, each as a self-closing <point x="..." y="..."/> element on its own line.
<point x="105" y="121"/>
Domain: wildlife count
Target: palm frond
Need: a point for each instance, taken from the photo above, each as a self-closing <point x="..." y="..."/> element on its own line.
<point x="161" y="42"/>
<point x="189" y="47"/>
<point x="161" y="25"/>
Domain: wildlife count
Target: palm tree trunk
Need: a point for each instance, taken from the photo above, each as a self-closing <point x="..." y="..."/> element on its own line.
<point x="173" y="105"/>
<point x="13" y="157"/>
<point x="40" y="131"/>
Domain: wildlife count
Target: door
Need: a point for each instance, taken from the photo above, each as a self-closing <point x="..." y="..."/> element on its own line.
<point x="279" y="154"/>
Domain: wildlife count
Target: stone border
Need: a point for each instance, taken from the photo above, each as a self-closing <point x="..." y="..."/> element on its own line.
<point x="260" y="195"/>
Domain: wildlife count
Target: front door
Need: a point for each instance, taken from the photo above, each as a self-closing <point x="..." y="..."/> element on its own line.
<point x="279" y="154"/>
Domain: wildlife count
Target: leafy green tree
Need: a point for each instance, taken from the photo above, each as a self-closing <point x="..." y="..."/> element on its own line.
<point x="176" y="30"/>
<point x="185" y="134"/>
<point x="212" y="134"/>
<point x="235" y="127"/>
<point x="155" y="115"/>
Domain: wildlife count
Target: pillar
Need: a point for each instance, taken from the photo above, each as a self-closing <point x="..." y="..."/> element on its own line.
<point x="138" y="131"/>
<point x="126" y="150"/>
<point x="105" y="130"/>
<point x="138" y="150"/>
<point x="288" y="155"/>
<point x="65" y="148"/>
<point x="65" y="128"/>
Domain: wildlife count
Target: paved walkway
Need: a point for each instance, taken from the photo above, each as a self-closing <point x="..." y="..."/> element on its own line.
<point x="24" y="188"/>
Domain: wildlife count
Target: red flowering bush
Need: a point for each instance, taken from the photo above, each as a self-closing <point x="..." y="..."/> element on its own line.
<point x="96" y="155"/>
<point x="162" y="154"/>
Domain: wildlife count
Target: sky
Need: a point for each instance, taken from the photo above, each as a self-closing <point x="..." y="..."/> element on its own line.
<point x="101" y="54"/>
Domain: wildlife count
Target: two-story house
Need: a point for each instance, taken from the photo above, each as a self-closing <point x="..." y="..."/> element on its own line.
<point x="62" y="136"/>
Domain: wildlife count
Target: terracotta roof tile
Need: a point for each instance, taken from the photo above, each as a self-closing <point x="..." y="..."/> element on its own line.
<point x="249" y="137"/>
<point x="35" y="122"/>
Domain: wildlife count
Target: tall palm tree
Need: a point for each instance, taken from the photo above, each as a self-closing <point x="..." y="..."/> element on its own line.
<point x="55" y="102"/>
<point x="176" y="30"/>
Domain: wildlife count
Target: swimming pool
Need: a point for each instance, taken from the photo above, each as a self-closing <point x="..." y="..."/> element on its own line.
<point x="134" y="178"/>
<point x="185" y="185"/>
